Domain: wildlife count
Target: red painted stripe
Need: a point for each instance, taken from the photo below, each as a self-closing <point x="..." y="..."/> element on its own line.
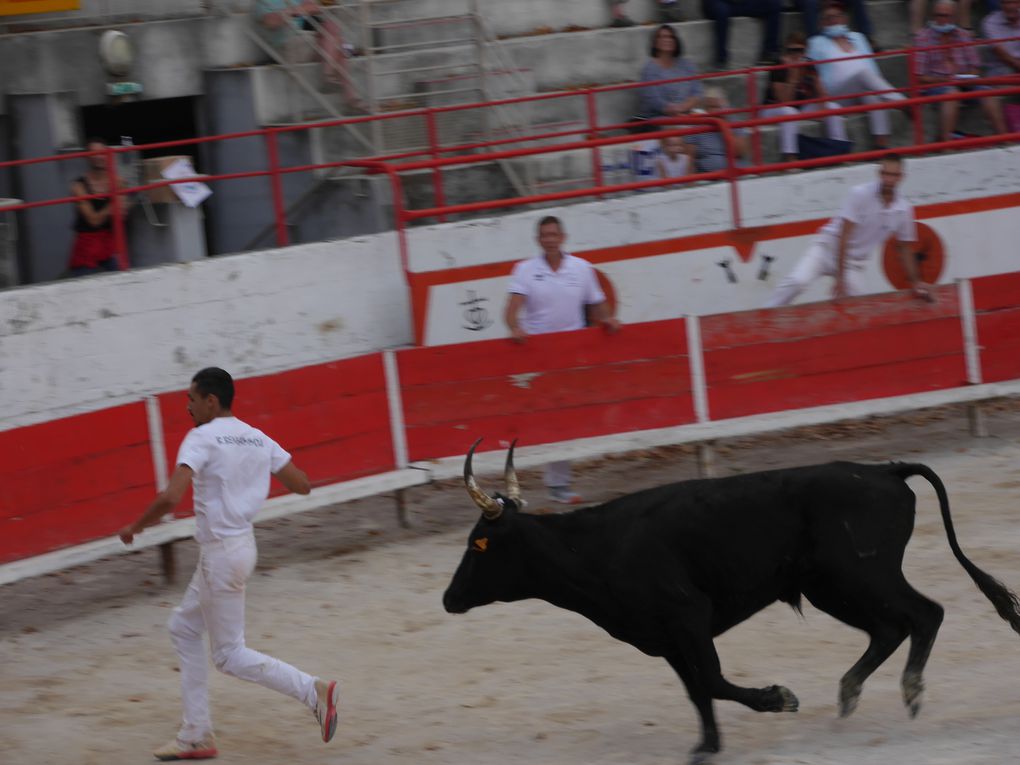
<point x="847" y="351"/>
<point x="995" y="292"/>
<point x="56" y="441"/>
<point x="999" y="344"/>
<point x="451" y="439"/>
<point x="70" y="524"/>
<point x="758" y="397"/>
<point x="562" y="350"/>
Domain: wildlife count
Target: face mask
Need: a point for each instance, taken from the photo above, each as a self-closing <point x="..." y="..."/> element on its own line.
<point x="836" y="30"/>
<point x="943" y="29"/>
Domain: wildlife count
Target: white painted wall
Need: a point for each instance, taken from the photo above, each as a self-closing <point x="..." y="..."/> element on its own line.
<point x="83" y="344"/>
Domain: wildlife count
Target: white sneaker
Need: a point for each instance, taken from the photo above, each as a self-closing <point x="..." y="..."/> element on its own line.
<point x="188" y="750"/>
<point x="325" y="709"/>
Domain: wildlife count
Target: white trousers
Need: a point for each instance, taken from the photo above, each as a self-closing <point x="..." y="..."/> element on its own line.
<point x="835" y="125"/>
<point x="819" y="260"/>
<point x="558" y="474"/>
<point x="214" y="603"/>
<point x="856" y="77"/>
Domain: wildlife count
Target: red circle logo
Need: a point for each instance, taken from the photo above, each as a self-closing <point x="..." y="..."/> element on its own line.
<point x="930" y="255"/>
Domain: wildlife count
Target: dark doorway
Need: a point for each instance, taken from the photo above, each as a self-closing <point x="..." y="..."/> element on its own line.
<point x="165" y="119"/>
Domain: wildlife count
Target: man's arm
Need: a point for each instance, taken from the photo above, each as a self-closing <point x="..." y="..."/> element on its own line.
<point x="294" y="478"/>
<point x="919" y="289"/>
<point x="512" y="317"/>
<point x="87" y="209"/>
<point x="598" y="313"/>
<point x="164" y="502"/>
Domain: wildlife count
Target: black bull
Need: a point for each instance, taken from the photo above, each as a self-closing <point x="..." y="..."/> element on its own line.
<point x="669" y="568"/>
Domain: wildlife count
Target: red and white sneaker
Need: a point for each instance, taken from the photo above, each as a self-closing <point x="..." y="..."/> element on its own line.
<point x="188" y="750"/>
<point x="325" y="707"/>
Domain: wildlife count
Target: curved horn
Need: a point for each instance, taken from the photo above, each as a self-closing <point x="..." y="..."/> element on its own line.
<point x="513" y="488"/>
<point x="490" y="507"/>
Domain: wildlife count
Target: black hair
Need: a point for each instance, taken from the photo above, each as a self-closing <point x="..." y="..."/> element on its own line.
<point x="549" y="220"/>
<point x="217" y="382"/>
<point x="655" y="36"/>
<point x="896" y="158"/>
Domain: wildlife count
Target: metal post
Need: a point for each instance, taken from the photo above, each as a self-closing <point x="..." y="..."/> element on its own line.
<point x="168" y="562"/>
<point x="752" y="101"/>
<point x="116" y="210"/>
<point x="279" y="210"/>
<point x="437" y="172"/>
<point x="915" y="110"/>
<point x="706" y="460"/>
<point x="368" y="49"/>
<point x="402" y="517"/>
<point x="593" y="134"/>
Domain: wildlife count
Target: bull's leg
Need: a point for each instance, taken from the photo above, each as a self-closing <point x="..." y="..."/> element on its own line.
<point x="702" y="700"/>
<point x="876" y="611"/>
<point x="925" y="620"/>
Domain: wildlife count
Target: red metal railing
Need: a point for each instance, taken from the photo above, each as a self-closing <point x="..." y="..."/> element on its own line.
<point x="432" y="157"/>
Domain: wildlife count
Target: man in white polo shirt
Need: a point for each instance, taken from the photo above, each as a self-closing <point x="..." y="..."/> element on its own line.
<point x="229" y="463"/>
<point x="555" y="292"/>
<point x="872" y="213"/>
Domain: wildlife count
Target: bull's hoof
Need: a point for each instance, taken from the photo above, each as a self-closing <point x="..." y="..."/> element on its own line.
<point x="913" y="689"/>
<point x="849" y="695"/>
<point x="790" y="702"/>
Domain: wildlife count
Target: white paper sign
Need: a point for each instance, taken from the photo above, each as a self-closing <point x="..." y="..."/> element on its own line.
<point x="192" y="193"/>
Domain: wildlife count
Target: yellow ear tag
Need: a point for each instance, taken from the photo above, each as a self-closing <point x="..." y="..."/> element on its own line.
<point x="481" y="544"/>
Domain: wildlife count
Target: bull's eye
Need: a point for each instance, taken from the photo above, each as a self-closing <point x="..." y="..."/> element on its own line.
<point x="481" y="544"/>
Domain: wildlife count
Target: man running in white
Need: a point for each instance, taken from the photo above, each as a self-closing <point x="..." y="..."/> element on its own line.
<point x="555" y="292"/>
<point x="871" y="214"/>
<point x="229" y="463"/>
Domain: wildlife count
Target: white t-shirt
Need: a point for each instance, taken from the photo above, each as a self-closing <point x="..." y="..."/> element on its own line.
<point x="554" y="301"/>
<point x="232" y="462"/>
<point x="873" y="221"/>
<point x="674" y="167"/>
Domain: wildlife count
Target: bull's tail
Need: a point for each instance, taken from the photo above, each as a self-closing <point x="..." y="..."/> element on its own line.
<point x="1005" y="602"/>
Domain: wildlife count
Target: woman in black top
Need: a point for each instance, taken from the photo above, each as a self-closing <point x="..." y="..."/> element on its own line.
<point x="94" y="248"/>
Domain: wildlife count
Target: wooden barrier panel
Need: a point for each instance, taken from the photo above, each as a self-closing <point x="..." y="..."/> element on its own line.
<point x="333" y="418"/>
<point x="73" y="480"/>
<point x="997" y="305"/>
<point x="827" y="353"/>
<point x="551" y="388"/>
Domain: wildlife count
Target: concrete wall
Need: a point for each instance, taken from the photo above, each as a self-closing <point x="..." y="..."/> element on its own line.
<point x="78" y="345"/>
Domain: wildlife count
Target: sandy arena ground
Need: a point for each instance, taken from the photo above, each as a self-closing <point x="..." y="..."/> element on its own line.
<point x="88" y="676"/>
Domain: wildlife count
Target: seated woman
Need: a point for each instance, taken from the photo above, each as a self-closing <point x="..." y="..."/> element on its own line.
<point x="666" y="61"/>
<point x="841" y="78"/>
<point x="710" y="148"/>
<point x="281" y="23"/>
<point x="797" y="84"/>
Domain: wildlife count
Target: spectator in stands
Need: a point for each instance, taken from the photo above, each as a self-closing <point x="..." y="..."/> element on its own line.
<point x="666" y="61"/>
<point x="555" y="292"/>
<point x="670" y="12"/>
<point x="917" y="13"/>
<point x="710" y="148"/>
<point x="948" y="69"/>
<point x="997" y="26"/>
<point x="797" y="84"/>
<point x="872" y="212"/>
<point x="720" y="11"/>
<point x="676" y="158"/>
<point x="94" y="249"/>
<point x="811" y="8"/>
<point x="842" y="78"/>
<point x="283" y="24"/>
<point x="619" y="17"/>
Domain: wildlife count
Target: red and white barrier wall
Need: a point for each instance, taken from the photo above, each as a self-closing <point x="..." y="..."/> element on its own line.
<point x="75" y="480"/>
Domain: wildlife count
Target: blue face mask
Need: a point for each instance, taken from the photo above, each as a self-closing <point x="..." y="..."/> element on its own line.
<point x="836" y="30"/>
<point x="942" y="29"/>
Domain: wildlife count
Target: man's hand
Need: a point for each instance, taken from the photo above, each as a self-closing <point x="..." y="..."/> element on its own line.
<point x="127" y="534"/>
<point x="611" y="325"/>
<point x="839" y="290"/>
<point x="922" y="291"/>
<point x="518" y="335"/>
